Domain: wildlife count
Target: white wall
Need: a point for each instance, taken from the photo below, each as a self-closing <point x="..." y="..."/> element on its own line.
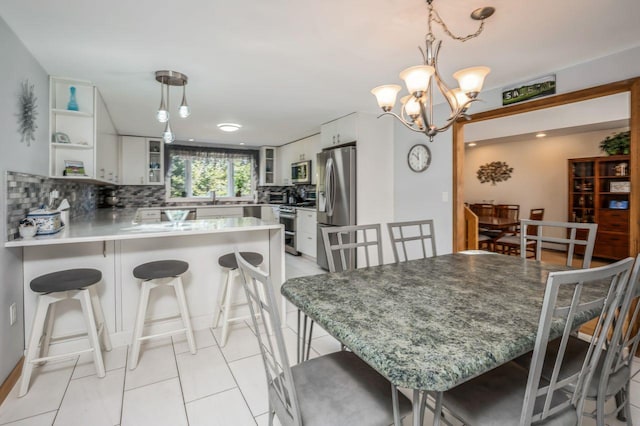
<point x="17" y="64"/>
<point x="421" y="195"/>
<point x="540" y="172"/>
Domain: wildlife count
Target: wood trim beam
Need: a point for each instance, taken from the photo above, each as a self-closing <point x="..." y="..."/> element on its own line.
<point x="11" y="380"/>
<point x="630" y="85"/>
<point x="634" y="196"/>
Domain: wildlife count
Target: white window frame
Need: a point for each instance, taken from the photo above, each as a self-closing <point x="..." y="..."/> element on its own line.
<point x="191" y="198"/>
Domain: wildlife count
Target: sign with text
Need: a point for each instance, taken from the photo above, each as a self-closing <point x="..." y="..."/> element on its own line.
<point x="537" y="88"/>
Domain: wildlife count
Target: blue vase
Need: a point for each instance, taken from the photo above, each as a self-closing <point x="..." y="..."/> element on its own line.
<point x="73" y="104"/>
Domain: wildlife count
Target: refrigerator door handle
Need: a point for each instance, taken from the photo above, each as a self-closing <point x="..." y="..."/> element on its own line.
<point x="329" y="186"/>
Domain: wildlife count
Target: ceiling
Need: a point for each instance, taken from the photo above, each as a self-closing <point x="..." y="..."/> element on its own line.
<point x="283" y="67"/>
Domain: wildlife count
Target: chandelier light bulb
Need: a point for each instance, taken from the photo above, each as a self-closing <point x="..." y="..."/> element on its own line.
<point x="184" y="109"/>
<point x="461" y="97"/>
<point x="411" y="106"/>
<point x="417" y="78"/>
<point x="471" y="79"/>
<point x="386" y="95"/>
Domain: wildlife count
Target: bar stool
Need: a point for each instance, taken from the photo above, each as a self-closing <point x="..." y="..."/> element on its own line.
<point x="76" y="284"/>
<point x="224" y="303"/>
<point x="152" y="275"/>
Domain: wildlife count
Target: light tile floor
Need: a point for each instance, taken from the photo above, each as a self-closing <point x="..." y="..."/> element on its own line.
<point x="217" y="386"/>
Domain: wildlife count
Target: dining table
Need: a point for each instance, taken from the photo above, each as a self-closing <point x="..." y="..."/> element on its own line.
<point x="431" y="324"/>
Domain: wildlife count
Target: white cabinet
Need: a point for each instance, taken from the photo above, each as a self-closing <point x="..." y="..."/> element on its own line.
<point x="83" y="139"/>
<point x="268" y="165"/>
<point x="268" y="213"/>
<point x="306" y="228"/>
<point x="300" y="150"/>
<point x="340" y="131"/>
<point x="142" y="161"/>
<point x="215" y="212"/>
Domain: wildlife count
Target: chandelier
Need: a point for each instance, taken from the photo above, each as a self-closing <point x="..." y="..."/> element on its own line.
<point x="417" y="108"/>
<point x="166" y="79"/>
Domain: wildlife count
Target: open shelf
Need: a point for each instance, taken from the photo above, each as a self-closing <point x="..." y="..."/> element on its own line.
<point x="71" y="145"/>
<point x="71" y="113"/>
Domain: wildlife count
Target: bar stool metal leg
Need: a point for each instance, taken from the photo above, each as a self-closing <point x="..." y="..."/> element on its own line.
<point x="100" y="321"/>
<point x="221" y="300"/>
<point x="46" y="341"/>
<point x="227" y="306"/>
<point x="87" y="311"/>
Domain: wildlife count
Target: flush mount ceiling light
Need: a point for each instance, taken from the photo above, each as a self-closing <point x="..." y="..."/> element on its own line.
<point x="541" y="135"/>
<point x="171" y="78"/>
<point x="229" y="127"/>
<point x="417" y="107"/>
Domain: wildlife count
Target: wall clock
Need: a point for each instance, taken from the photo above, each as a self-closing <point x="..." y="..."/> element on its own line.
<point x="419" y="158"/>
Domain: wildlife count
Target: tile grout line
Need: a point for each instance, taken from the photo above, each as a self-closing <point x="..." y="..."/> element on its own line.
<point x="124" y="381"/>
<point x="233" y="375"/>
<point x="175" y="360"/>
<point x="65" y="390"/>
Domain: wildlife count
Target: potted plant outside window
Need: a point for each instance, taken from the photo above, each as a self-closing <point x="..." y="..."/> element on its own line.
<point x="617" y="144"/>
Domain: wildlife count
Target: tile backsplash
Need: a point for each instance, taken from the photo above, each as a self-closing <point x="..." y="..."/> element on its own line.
<point x="26" y="192"/>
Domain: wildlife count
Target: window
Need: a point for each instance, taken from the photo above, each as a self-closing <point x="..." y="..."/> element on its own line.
<point x="193" y="172"/>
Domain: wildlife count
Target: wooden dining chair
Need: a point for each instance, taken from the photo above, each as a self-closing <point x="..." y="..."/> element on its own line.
<point x="482" y="209"/>
<point x="513" y="395"/>
<point x="416" y="239"/>
<point x="573" y="236"/>
<point x="346" y="246"/>
<point x="334" y="389"/>
<point x="509" y="242"/>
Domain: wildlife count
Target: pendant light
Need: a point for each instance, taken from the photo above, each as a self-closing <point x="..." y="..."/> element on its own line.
<point x="166" y="79"/>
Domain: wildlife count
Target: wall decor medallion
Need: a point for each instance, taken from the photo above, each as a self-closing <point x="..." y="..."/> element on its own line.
<point x="28" y="113"/>
<point x="496" y="171"/>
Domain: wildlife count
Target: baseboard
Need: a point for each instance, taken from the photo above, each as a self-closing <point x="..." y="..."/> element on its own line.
<point x="11" y="380"/>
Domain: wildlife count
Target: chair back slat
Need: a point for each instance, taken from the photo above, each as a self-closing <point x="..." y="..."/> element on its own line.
<point x="626" y="336"/>
<point x="261" y="296"/>
<point x="402" y="234"/>
<point x="579" y="234"/>
<point x="348" y="241"/>
<point x="570" y="296"/>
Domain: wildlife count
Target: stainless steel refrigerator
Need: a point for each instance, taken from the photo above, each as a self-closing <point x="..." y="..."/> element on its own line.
<point x="336" y="193"/>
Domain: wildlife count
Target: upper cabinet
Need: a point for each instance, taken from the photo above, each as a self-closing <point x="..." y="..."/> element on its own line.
<point x="300" y="150"/>
<point x="142" y="161"/>
<point x="340" y="131"/>
<point x="83" y="139"/>
<point x="268" y="165"/>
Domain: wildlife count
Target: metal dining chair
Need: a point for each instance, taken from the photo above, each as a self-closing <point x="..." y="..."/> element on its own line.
<point x="577" y="237"/>
<point x="613" y="376"/>
<point x="346" y="246"/>
<point x="334" y="389"/>
<point x="513" y="395"/>
<point x="415" y="235"/>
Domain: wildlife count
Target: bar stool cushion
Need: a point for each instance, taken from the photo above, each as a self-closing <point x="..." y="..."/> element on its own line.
<point x="160" y="269"/>
<point x="70" y="279"/>
<point x="229" y="260"/>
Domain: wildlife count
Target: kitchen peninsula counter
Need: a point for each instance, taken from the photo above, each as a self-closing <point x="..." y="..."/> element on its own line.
<point x="110" y="225"/>
<point x="112" y="242"/>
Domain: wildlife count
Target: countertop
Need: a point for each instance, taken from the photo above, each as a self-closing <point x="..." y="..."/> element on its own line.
<point x="434" y="323"/>
<point x="207" y="206"/>
<point x="118" y="224"/>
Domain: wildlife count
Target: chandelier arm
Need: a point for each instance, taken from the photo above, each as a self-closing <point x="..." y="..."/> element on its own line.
<point x="454" y="118"/>
<point x="445" y="90"/>
<point x="404" y="122"/>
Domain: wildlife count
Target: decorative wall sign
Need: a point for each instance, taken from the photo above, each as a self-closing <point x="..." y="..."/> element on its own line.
<point x="496" y="171"/>
<point x="543" y="86"/>
<point x="28" y="113"/>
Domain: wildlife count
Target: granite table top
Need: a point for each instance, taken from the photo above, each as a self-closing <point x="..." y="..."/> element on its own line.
<point x="434" y="323"/>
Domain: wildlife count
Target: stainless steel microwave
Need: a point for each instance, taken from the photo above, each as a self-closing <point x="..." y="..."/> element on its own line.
<point x="301" y="172"/>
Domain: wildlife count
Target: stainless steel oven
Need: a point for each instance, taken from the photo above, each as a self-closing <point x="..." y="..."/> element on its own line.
<point x="288" y="219"/>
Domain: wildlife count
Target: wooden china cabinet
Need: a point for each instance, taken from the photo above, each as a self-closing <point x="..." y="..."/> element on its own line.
<point x="599" y="192"/>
